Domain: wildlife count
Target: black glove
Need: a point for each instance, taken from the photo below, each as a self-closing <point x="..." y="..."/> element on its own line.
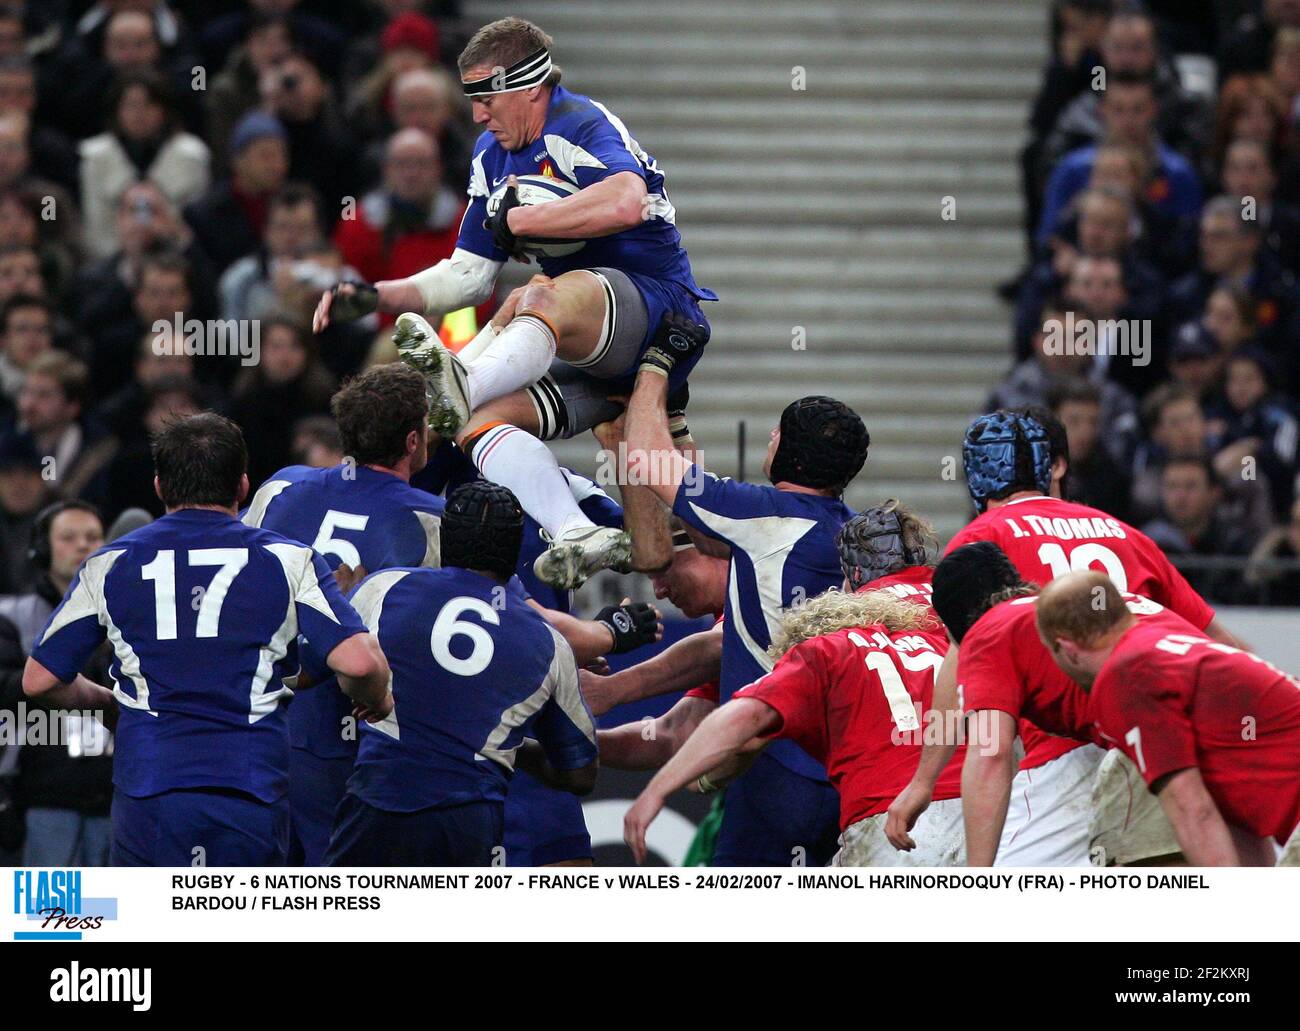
<point x="676" y="340"/>
<point x="499" y="226"/>
<point x="356" y="304"/>
<point x="632" y="624"/>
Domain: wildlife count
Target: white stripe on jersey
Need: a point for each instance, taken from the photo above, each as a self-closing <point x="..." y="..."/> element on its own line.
<point x="266" y="493"/>
<point x="369" y="603"/>
<point x="661" y="207"/>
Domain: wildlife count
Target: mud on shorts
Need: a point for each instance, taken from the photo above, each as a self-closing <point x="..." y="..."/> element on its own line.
<point x="1128" y="825"/>
<point x="940" y="836"/>
<point x="572" y="397"/>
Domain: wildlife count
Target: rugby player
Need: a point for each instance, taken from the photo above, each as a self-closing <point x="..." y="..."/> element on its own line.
<point x="473" y="674"/>
<point x="855" y="676"/>
<point x="1012" y="473"/>
<point x="782" y="547"/>
<point x="201" y="766"/>
<point x="1214" y="730"/>
<point x="577" y="332"/>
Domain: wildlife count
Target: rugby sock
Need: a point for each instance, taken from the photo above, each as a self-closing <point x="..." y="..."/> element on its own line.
<point x="518" y="358"/>
<point x="516" y="459"/>
<point x="473" y="351"/>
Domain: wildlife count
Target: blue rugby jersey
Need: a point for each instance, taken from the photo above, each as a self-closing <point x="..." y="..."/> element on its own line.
<point x="782" y="552"/>
<point x="203" y="613"/>
<point x="475" y="670"/>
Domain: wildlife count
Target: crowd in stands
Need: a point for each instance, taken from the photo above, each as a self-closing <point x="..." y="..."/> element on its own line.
<point x="209" y="160"/>
<point x="1158" y="315"/>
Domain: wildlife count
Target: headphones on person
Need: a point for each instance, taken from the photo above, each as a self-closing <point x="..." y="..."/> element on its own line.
<point x="38" y="553"/>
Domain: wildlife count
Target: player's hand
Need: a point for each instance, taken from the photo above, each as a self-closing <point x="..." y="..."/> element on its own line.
<point x="375" y="713"/>
<point x="498" y="223"/>
<point x="599" y="666"/>
<point x="344" y="302"/>
<point x="347" y="577"/>
<point x="675" y="341"/>
<point x="598" y="690"/>
<point x="609" y="434"/>
<point x="637" y="821"/>
<point x="903" y="814"/>
<point x="631" y="624"/>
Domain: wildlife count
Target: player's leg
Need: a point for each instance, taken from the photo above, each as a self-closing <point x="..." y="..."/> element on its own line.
<point x="221" y="828"/>
<point x="775" y="817"/>
<point x="1049" y="814"/>
<point x="316" y="786"/>
<point x="1291" y="851"/>
<point x="569" y="317"/>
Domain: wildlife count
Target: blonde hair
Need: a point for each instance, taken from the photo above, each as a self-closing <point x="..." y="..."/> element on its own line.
<point x="834" y="610"/>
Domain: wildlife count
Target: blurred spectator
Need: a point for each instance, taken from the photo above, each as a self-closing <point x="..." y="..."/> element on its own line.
<point x="23" y="491"/>
<point x="65" y="785"/>
<point x="144" y="141"/>
<point x="16" y="173"/>
<point x="1250" y="43"/>
<point x="409" y="43"/>
<point x="25" y="221"/>
<point x="20" y="272"/>
<point x="293" y="228"/>
<point x="130" y="473"/>
<point x="1248" y="173"/>
<point x="1230" y="317"/>
<point x="1232" y="253"/>
<point x="1053" y="362"/>
<point x="411" y="222"/>
<point x="316" y="442"/>
<point x="1249" y="108"/>
<point x="270" y="397"/>
<point x="230" y="218"/>
<point x="1253" y="430"/>
<point x="26" y="333"/>
<point x="234" y="92"/>
<point x="1194" y="523"/>
<point x="145" y="223"/>
<point x="1175" y="427"/>
<point x="126" y="41"/>
<point x="1130" y="51"/>
<point x="122" y="413"/>
<point x="1196" y="360"/>
<point x="53" y="155"/>
<point x="1128" y="110"/>
<point x="51" y="404"/>
<point x="322" y="150"/>
<point x="1274" y="568"/>
<point x="1095" y="478"/>
<point x="323" y="40"/>
<point x="429" y="99"/>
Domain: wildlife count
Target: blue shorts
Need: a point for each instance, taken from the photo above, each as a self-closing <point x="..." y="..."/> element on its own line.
<point x="459" y="835"/>
<point x="772" y="812"/>
<point x="543" y="825"/>
<point x="231" y="828"/>
<point x="316" y="786"/>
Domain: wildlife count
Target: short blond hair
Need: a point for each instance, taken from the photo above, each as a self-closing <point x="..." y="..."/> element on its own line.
<point x="503" y="42"/>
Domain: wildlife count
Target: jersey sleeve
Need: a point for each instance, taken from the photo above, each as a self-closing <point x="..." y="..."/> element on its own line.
<point x="986" y="678"/>
<point x="710" y="692"/>
<point x="325" y="617"/>
<point x="715" y="506"/>
<point x="1178" y="595"/>
<point x="473" y="237"/>
<point x="75" y="629"/>
<point x="796" y="688"/>
<point x="1149" y="717"/>
<point x="565" y="729"/>
<point x="597" y="151"/>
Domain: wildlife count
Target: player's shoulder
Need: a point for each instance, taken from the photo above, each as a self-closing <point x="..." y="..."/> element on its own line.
<point x="297" y="474"/>
<point x="416" y="500"/>
<point x="1005" y="624"/>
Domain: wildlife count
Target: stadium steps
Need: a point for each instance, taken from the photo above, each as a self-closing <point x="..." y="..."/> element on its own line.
<point x="815" y="214"/>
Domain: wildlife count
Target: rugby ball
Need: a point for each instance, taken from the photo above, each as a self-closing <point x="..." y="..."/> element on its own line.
<point x="539" y="189"/>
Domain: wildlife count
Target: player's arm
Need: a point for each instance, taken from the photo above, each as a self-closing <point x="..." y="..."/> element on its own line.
<point x="643" y="517"/>
<point x="1218" y="632"/>
<point x="615" y="630"/>
<point x="648" y="744"/>
<point x="566" y="757"/>
<point x="723" y="733"/>
<point x="651" y="458"/>
<point x="914" y="799"/>
<point x="363" y="673"/>
<point x="531" y="758"/>
<point x="693" y="660"/>
<point x="1201" y="831"/>
<point x="609" y="206"/>
<point x="986" y="783"/>
<point x="79" y="693"/>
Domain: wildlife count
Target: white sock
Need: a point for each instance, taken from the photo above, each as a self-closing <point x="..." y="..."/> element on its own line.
<point x="518" y="358"/>
<point x="473" y="351"/>
<point x="516" y="459"/>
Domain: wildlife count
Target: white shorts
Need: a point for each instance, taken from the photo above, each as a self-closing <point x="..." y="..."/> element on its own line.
<point x="1049" y="812"/>
<point x="1290" y="851"/>
<point x="939" y="835"/>
<point x="1128" y="823"/>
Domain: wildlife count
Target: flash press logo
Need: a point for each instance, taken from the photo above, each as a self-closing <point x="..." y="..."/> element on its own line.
<point x="75" y="983"/>
<point x="53" y="898"/>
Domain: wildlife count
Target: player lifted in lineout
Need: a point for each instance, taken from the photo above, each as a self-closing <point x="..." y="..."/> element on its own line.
<point x="558" y="177"/>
